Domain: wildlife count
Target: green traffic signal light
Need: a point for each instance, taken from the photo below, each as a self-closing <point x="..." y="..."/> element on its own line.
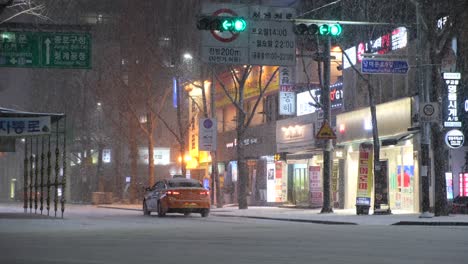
<point x="234" y="24"/>
<point x="221" y="23"/>
<point x="240" y="24"/>
<point x="333" y="30"/>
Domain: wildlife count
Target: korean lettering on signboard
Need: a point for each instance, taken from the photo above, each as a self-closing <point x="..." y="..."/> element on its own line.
<point x="315" y="186"/>
<point x="451" y="118"/>
<point x="268" y="40"/>
<point x="24" y="126"/>
<point x="286" y="94"/>
<point x="365" y="175"/>
<point x="272" y="41"/>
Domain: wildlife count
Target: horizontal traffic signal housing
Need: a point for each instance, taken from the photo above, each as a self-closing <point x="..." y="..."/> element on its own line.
<point x="333" y="30"/>
<point x="222" y="23"/>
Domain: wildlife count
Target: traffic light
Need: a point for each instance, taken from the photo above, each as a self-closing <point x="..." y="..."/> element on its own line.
<point x="222" y="23"/>
<point x="333" y="30"/>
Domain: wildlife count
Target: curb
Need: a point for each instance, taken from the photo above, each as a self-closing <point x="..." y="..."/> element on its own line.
<point x="119" y="208"/>
<point x="413" y="223"/>
<point x="324" y="222"/>
<point x="288" y="219"/>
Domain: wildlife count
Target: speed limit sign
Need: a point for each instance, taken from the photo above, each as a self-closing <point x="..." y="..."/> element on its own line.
<point x="429" y="112"/>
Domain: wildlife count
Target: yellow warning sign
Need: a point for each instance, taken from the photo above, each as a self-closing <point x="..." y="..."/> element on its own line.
<point x="325" y="132"/>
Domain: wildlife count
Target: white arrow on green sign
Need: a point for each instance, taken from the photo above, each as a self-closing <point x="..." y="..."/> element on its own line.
<point x="71" y="50"/>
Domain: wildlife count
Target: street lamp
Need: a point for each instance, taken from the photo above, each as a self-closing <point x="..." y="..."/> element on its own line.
<point x="188" y="56"/>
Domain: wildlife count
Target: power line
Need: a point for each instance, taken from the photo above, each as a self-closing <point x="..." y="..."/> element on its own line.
<point x="316" y="9"/>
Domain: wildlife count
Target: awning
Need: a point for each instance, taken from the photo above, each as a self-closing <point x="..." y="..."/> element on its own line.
<point x="6" y="112"/>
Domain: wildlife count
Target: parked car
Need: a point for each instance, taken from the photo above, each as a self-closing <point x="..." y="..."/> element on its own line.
<point x="460" y="205"/>
<point x="177" y="195"/>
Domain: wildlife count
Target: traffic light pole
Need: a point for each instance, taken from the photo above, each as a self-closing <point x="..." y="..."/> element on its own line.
<point x="327" y="162"/>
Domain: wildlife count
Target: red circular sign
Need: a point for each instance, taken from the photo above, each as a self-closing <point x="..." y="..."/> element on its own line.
<point x="216" y="34"/>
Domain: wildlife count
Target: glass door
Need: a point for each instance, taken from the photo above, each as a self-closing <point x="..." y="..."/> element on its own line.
<point x="301" y="187"/>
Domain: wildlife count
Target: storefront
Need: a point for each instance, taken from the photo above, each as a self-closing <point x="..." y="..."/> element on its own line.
<point x="398" y="154"/>
<point x="302" y="162"/>
<point x="259" y="151"/>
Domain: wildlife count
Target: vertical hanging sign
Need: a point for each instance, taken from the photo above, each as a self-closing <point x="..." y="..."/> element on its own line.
<point x="451" y="118"/>
<point x="365" y="176"/>
<point x="287" y="98"/>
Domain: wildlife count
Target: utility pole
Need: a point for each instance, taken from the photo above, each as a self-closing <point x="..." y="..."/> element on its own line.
<point x="325" y="95"/>
<point x="424" y="160"/>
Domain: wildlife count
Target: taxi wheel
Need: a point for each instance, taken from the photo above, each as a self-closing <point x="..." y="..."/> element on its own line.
<point x="145" y="209"/>
<point x="161" y="213"/>
<point x="205" y="212"/>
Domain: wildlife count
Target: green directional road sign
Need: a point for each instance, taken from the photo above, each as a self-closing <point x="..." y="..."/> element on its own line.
<point x="65" y="50"/>
<point x="45" y="50"/>
<point x="19" y="49"/>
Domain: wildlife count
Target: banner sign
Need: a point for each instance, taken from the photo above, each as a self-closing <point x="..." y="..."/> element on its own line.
<point x="24" y="126"/>
<point x="365" y="176"/>
<point x="463" y="184"/>
<point x="315" y="186"/>
<point x="449" y="185"/>
<point x="279" y="179"/>
<point x="381" y="186"/>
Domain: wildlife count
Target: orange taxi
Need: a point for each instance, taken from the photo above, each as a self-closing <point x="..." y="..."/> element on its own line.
<point x="177" y="195"/>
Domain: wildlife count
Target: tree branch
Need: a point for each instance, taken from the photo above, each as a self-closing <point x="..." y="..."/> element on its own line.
<point x="260" y="96"/>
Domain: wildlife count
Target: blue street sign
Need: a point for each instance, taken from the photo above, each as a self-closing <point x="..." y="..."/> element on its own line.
<point x="376" y="66"/>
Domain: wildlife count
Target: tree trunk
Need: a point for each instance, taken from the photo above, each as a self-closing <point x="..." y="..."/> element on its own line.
<point x="242" y="171"/>
<point x="118" y="177"/>
<point x="133" y="162"/>
<point x="151" y="176"/>
<point x="99" y="169"/>
<point x="440" y="150"/>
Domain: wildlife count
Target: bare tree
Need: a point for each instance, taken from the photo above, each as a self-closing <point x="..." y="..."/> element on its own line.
<point x="239" y="77"/>
<point x="436" y="45"/>
<point x="11" y="9"/>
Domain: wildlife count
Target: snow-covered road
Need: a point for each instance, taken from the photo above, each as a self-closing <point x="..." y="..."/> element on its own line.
<point x="97" y="235"/>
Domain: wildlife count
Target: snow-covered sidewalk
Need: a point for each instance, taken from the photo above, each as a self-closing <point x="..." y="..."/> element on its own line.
<point x="339" y="216"/>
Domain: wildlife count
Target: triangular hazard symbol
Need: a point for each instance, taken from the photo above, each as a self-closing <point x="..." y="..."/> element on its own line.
<point x="325" y="132"/>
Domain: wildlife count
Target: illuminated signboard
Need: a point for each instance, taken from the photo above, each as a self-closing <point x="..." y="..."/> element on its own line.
<point x="454" y="138"/>
<point x="451" y="118"/>
<point x="449" y="185"/>
<point x="161" y="156"/>
<point x="399" y="38"/>
<point x="351" y="52"/>
<point x="395" y="40"/>
<point x="106" y="155"/>
<point x="306" y="104"/>
<point x="463" y="184"/>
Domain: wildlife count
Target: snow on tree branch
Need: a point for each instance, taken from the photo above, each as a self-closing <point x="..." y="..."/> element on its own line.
<point x="24" y="7"/>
